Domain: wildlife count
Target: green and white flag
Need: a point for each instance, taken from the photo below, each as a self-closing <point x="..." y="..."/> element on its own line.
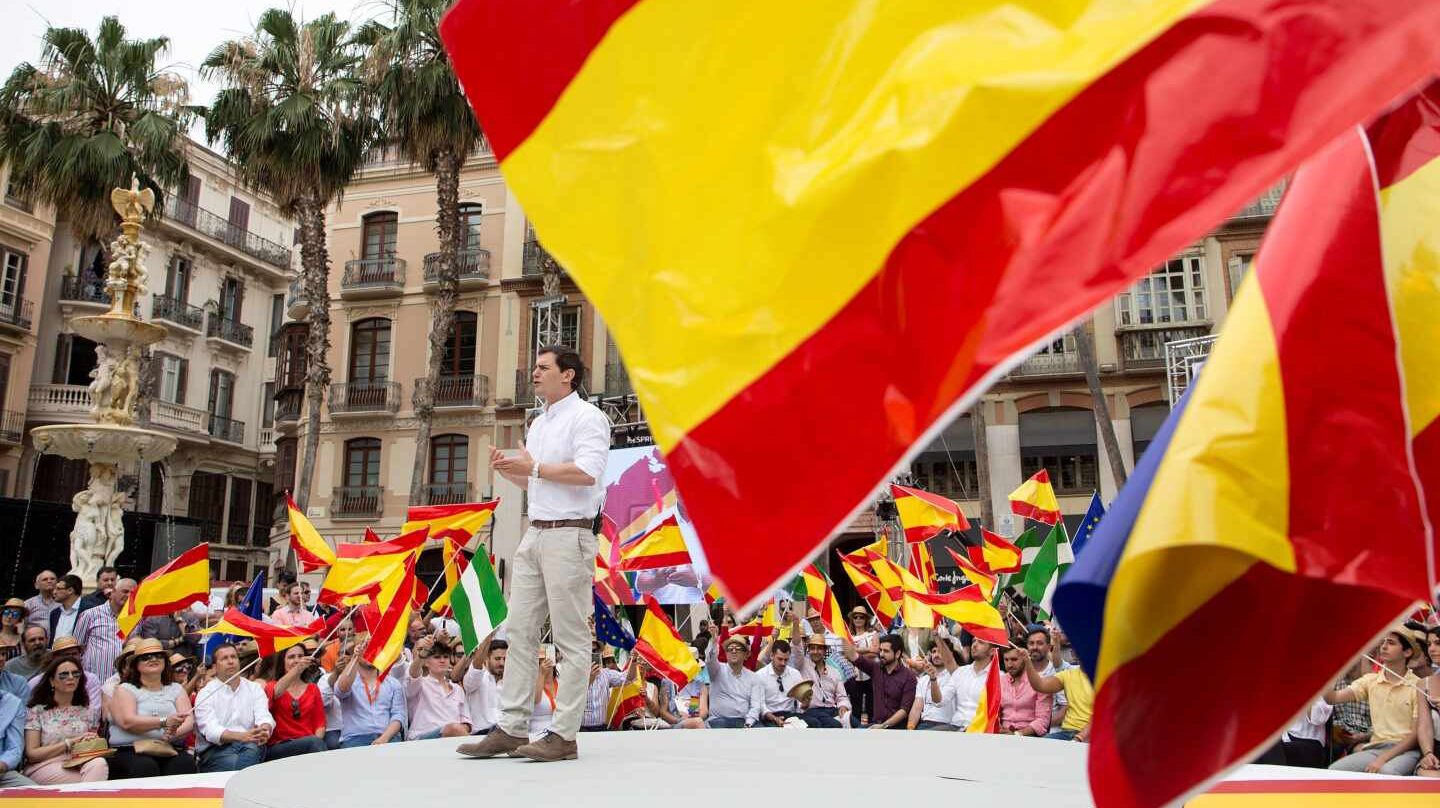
<point x="478" y="602"/>
<point x="1044" y="565"/>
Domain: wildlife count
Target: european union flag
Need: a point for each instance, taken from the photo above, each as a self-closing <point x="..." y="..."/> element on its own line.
<point x="253" y="605"/>
<point x="1093" y="514"/>
<point x="607" y="629"/>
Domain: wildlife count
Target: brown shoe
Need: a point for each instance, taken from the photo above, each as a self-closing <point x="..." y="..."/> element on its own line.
<point x="497" y="742"/>
<point x="549" y="748"/>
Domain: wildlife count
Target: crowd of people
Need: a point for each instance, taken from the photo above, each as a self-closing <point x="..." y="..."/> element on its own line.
<point x="77" y="704"/>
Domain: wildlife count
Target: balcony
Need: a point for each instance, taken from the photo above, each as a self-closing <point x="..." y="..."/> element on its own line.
<point x="289" y="401"/>
<point x="367" y="278"/>
<point x="12" y="427"/>
<point x="1144" y="349"/>
<point x="174" y="311"/>
<point x="74" y="289"/>
<point x="356" y="502"/>
<point x="217" y="227"/>
<point x="524" y="389"/>
<point x="459" y="391"/>
<point x="227" y="429"/>
<point x="59" y="399"/>
<point x="364" y="397"/>
<point x="297" y="303"/>
<point x="1048" y="364"/>
<point x="447" y="493"/>
<point x="177" y="417"/>
<point x="1265" y="206"/>
<point x="534" y="259"/>
<point x="267" y="439"/>
<point x="474" y="269"/>
<point x="229" y="332"/>
<point x="16" y="312"/>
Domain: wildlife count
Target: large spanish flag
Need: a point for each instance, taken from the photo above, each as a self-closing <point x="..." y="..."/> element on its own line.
<point x="766" y="200"/>
<point x="311" y="549"/>
<point x="970" y="607"/>
<point x="269" y="638"/>
<point x="459" y="522"/>
<point x="987" y="712"/>
<point x="660" y="645"/>
<point x="169" y="589"/>
<point x="1291" y="444"/>
<point x="660" y="546"/>
<point x="361" y="571"/>
<point x="924" y="515"/>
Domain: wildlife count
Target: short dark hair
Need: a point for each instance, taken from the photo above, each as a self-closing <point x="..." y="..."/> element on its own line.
<point x="781" y="645"/>
<point x="214" y="652"/>
<point x="1032" y="632"/>
<point x="497" y="645"/>
<point x="894" y="641"/>
<point x="567" y="359"/>
<point x="74" y="584"/>
<point x="44" y="693"/>
<point x="104" y="570"/>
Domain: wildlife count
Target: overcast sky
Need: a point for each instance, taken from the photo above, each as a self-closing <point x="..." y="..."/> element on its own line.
<point x="195" y="27"/>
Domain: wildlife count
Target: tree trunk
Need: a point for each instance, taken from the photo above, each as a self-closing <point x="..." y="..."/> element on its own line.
<point x="982" y="465"/>
<point x="442" y="314"/>
<point x="1085" y="349"/>
<point x="315" y="263"/>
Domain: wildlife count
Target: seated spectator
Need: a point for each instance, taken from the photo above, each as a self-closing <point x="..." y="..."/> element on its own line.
<point x="777" y="679"/>
<point x="1023" y="710"/>
<point x="1350" y="721"/>
<point x="597" y="702"/>
<point x="437" y="705"/>
<point x="67" y="648"/>
<point x="372" y="710"/>
<point x="34" y="642"/>
<point x="692" y="702"/>
<point x="150" y="717"/>
<point x="892" y="684"/>
<point x="183" y="672"/>
<point x="1303" y="744"/>
<point x="1391" y="693"/>
<point x="67" y="606"/>
<point x="1427" y="718"/>
<point x="12" y="622"/>
<point x="933" y="709"/>
<point x="659" y="711"/>
<point x="546" y="686"/>
<point x="60" y="716"/>
<point x="296" y="705"/>
<point x="736" y="695"/>
<point x="858" y="686"/>
<point x="1079" y="692"/>
<point x="12" y="741"/>
<point x="232" y="717"/>
<point x="334" y="716"/>
<point x="828" y="705"/>
<point x="967" y="682"/>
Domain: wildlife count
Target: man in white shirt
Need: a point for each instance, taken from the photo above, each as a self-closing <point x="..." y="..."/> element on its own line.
<point x="562" y="466"/>
<point x="232" y="717"/>
<point x="777" y="679"/>
<point x="932" y="709"/>
<point x="482" y="682"/>
<point x="967" y="682"/>
<point x="736" y="695"/>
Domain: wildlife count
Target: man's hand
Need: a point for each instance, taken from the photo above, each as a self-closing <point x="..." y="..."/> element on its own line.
<point x="379" y="742"/>
<point x="1430" y="762"/>
<point x="876" y="726"/>
<point x="1374" y="766"/>
<point x="519" y="465"/>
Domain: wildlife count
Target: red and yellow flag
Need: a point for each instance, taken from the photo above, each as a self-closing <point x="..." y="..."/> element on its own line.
<point x="967" y="606"/>
<point x="269" y="638"/>
<point x="1005" y="137"/>
<point x="821" y="598"/>
<point x="922" y="565"/>
<point x="625" y="700"/>
<point x="995" y="553"/>
<point x="387" y="633"/>
<point x="311" y="550"/>
<point x="455" y="564"/>
<point x="924" y="515"/>
<point x="660" y="546"/>
<point x="169" y="589"/>
<point x="660" y="644"/>
<point x="361" y="571"/>
<point x="869" y="588"/>
<point x="457" y="522"/>
<point x="899" y="583"/>
<point x="987" y="712"/>
<point x="1035" y="499"/>
<point x="985" y="580"/>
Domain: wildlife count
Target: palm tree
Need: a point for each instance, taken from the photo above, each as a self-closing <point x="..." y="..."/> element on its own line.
<point x="427" y="118"/>
<point x="1085" y="348"/>
<point x="290" y="117"/>
<point x="90" y="116"/>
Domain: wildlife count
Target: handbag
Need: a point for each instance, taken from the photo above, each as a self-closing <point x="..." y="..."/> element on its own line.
<point x="154" y="748"/>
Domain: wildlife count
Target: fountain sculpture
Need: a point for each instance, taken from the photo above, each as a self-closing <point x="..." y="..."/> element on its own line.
<point x="113" y="438"/>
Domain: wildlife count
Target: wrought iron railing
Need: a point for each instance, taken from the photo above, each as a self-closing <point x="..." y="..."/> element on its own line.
<point x="230" y="330"/>
<point x="177" y="312"/>
<point x="524" y="388"/>
<point x="473" y="264"/>
<point x="84" y="290"/>
<point x="1266" y="205"/>
<point x="16" y="311"/>
<point x="1048" y="364"/>
<point x="447" y="493"/>
<point x="221" y="229"/>
<point x="365" y="396"/>
<point x="356" y="501"/>
<point x="617" y="380"/>
<point x="227" y="429"/>
<point x="288" y="403"/>
<point x="470" y="390"/>
<point x="533" y="259"/>
<point x="12" y="426"/>
<point x="1145" y="348"/>
<point x="366" y="273"/>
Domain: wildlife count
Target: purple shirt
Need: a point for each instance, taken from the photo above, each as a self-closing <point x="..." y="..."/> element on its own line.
<point x="891" y="691"/>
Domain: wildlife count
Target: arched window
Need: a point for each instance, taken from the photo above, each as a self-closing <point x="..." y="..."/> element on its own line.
<point x="1061" y="440"/>
<point x="449" y="469"/>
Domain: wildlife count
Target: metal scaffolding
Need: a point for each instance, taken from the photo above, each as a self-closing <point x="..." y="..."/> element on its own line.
<point x="1183" y="359"/>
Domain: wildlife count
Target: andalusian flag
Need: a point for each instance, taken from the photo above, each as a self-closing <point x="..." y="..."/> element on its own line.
<point x="660" y="645"/>
<point x="987" y="712"/>
<point x="995" y="553"/>
<point x="269" y="638"/>
<point x="1294" y="440"/>
<point x="478" y="602"/>
<point x="458" y="522"/>
<point x="169" y="589"/>
<point x="924" y="515"/>
<point x="821" y="598"/>
<point x="698" y="168"/>
<point x="660" y="546"/>
<point x="1043" y="569"/>
<point x="1035" y="499"/>
<point x="311" y="550"/>
<point x="967" y="606"/>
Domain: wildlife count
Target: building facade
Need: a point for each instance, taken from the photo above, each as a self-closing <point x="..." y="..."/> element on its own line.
<point x="219" y="267"/>
<point x="27" y="234"/>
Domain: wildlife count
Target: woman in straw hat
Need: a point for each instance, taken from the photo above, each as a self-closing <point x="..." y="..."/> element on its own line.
<point x="151" y="714"/>
<point x="61" y="718"/>
<point x="12" y="626"/>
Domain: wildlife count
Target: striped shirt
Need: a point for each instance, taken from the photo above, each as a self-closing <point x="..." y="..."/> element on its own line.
<point x="97" y="630"/>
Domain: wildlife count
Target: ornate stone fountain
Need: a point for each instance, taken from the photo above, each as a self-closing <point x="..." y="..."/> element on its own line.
<point x="119" y="335"/>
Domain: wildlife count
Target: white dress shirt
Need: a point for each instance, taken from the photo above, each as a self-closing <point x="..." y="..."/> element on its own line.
<point x="733" y="696"/>
<point x="65" y="626"/>
<point x="220" y="707"/>
<point x="965" y="686"/>
<point x="334" y="719"/>
<point x="569" y="431"/>
<point x="482" y="693"/>
<point x="777" y="685"/>
<point x="1310" y="726"/>
<point x="941" y="711"/>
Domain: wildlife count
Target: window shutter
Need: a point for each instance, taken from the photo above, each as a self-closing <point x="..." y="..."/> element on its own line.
<point x="180" y="382"/>
<point x="62" y="359"/>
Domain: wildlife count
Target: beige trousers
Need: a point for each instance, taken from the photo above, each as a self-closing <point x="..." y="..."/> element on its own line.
<point x="553" y="574"/>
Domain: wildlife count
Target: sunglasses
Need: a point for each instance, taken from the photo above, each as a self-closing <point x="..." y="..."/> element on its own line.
<point x="67" y="675"/>
<point x="295" y="709"/>
<point x="155" y="657"/>
<point x="10" y="613"/>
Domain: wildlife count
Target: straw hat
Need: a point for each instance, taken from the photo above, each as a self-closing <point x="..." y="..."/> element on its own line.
<point x="860" y="610"/>
<point x="177" y="658"/>
<point x="84" y="751"/>
<point x="736" y="639"/>
<point x="817" y="640"/>
<point x="1404" y="632"/>
<point x="16" y="603"/>
<point x="148" y="645"/>
<point x="64" y="643"/>
<point x="801" y="691"/>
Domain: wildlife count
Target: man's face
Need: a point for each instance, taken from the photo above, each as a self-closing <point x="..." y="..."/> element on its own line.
<point x="779" y="659"/>
<point x="551" y="383"/>
<point x="888" y="654"/>
<point x="227" y="663"/>
<point x="816" y="653"/>
<point x="123" y="588"/>
<point x="735" y="653"/>
<point x="1391" y="650"/>
<point x="981" y="651"/>
<point x="62" y="591"/>
<point x="305" y="593"/>
<point x="45" y="583"/>
<point x="294" y="596"/>
<point x="417" y="629"/>
<point x="496" y="663"/>
<point x="34" y="641"/>
<point x="439" y="663"/>
<point x="1014" y="661"/>
<point x="934" y="656"/>
<point x="1039" y="646"/>
<point x="345" y="631"/>
<point x="107" y="580"/>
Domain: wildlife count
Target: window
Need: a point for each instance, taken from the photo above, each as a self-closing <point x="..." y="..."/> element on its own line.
<point x="58" y="479"/>
<point x="449" y="459"/>
<point x="264" y="515"/>
<point x="12" y="283"/>
<point x="237" y="529"/>
<point x="378" y="235"/>
<point x="1069" y="473"/>
<point x="177" y="278"/>
<point x="370" y="350"/>
<point x="286" y="451"/>
<point x="277" y="319"/>
<point x="470" y="216"/>
<point x="1172" y="293"/>
<point x="569" y="330"/>
<point x="1063" y="442"/>
<point x="290" y="363"/>
<point x="362" y="462"/>
<point x="1145" y="422"/>
<point x="458" y="358"/>
<point x="960" y="481"/>
<point x="232" y="297"/>
<point x="239" y="219"/>
<point x="157" y="488"/>
<point x="1239" y="267"/>
<point x="267" y="406"/>
<point x="235" y="569"/>
<point x="207" y="503"/>
<point x="222" y="393"/>
<point x="171" y="378"/>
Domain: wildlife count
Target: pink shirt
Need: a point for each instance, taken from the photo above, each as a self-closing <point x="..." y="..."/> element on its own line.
<point x="1021" y="706"/>
<point x="284" y="616"/>
<point x="433" y="704"/>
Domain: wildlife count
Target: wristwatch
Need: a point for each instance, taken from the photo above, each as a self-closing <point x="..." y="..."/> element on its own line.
<point x="535" y="471"/>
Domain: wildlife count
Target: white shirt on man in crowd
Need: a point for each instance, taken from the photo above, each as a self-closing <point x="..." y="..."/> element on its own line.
<point x="942" y="711"/>
<point x="220" y="707"/>
<point x="965" y="686"/>
<point x="731" y="695"/>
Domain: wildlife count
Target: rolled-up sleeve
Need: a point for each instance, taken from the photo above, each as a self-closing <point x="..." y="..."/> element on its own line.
<point x="1044" y="704"/>
<point x="592" y="444"/>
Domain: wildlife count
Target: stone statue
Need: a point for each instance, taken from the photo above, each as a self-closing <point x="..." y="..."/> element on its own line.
<point x="103" y="374"/>
<point x="99" y="533"/>
<point x="127" y="383"/>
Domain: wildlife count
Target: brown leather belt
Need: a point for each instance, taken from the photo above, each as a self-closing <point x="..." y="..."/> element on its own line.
<point x="551" y="524"/>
